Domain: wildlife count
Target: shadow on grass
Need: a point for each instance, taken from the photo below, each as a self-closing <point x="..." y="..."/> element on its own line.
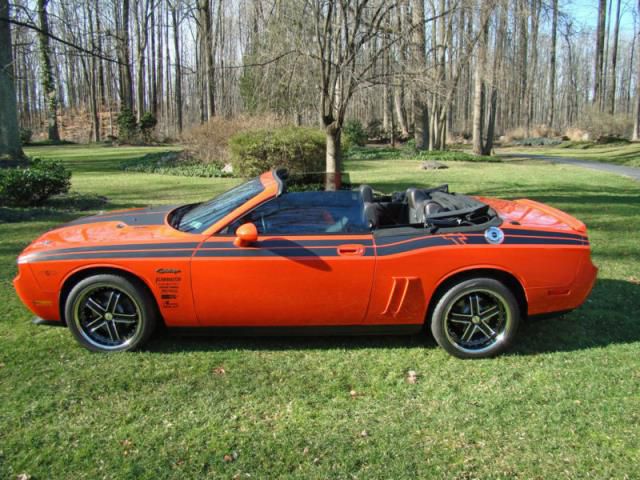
<point x="609" y="317"/>
<point x="60" y="209"/>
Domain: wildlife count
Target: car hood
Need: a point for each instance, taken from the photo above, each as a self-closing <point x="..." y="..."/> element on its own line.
<point x="531" y="214"/>
<point x="133" y="226"/>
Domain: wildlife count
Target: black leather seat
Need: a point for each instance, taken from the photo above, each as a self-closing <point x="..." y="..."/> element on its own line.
<point x="415" y="201"/>
<point x="372" y="213"/>
<point x="367" y="193"/>
<point x="421" y="205"/>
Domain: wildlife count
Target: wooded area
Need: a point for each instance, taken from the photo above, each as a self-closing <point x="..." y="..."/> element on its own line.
<point x="440" y="70"/>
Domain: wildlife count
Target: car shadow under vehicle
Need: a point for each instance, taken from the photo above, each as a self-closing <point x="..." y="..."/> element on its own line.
<point x="610" y="316"/>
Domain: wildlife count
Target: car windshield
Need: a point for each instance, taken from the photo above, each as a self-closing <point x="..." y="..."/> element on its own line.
<point x="197" y="218"/>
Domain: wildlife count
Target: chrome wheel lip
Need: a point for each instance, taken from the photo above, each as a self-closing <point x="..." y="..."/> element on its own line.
<point x="499" y="337"/>
<point x="79" y="303"/>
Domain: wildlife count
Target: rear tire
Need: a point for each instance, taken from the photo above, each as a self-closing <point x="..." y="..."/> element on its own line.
<point x="476" y="318"/>
<point x="110" y="313"/>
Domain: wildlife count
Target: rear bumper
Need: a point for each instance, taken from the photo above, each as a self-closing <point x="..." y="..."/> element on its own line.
<point x="546" y="301"/>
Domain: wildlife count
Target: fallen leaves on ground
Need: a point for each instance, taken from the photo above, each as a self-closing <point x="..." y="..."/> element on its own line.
<point x="412" y="377"/>
<point x="232" y="457"/>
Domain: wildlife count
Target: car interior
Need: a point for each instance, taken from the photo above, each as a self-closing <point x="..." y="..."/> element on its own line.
<point x="433" y="208"/>
<point x="305" y="205"/>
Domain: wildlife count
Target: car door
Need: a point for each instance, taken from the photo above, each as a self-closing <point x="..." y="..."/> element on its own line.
<point x="312" y="265"/>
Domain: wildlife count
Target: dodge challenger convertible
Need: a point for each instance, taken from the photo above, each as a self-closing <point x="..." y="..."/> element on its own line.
<point x="283" y="254"/>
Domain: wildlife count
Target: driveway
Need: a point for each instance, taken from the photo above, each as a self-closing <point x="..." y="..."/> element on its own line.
<point x="633" y="172"/>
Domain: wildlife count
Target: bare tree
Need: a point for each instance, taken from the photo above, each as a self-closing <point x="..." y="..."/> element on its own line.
<point x="121" y="14"/>
<point x="341" y="30"/>
<point x="176" y="20"/>
<point x="600" y="41"/>
<point x="9" y="132"/>
<point x="46" y="73"/>
<point x="636" y="117"/>
<point x="419" y="57"/>
<point x="614" y="61"/>
<point x="552" y="63"/>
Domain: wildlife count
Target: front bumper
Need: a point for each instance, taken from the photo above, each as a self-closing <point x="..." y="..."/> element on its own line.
<point x="42" y="304"/>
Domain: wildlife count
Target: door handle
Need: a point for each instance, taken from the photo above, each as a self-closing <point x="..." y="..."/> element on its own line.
<point x="354" y="250"/>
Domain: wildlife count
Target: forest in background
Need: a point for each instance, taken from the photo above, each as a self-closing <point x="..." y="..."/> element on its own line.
<point x="437" y="70"/>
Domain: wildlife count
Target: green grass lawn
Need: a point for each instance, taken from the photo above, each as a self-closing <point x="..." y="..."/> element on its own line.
<point x="619" y="154"/>
<point x="565" y="403"/>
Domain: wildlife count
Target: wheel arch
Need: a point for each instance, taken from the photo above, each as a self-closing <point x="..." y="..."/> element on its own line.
<point x="496" y="273"/>
<point x="80" y="274"/>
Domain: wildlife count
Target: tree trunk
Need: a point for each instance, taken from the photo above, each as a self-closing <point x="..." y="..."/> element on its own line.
<point x="46" y="73"/>
<point x="420" y="120"/>
<point x="178" y="80"/>
<point x="478" y="90"/>
<point x="142" y="35"/>
<point x="636" y="117"/>
<point x="532" y="61"/>
<point x="399" y="96"/>
<point x="211" y="44"/>
<point x="121" y="13"/>
<point x="614" y="62"/>
<point x="498" y="57"/>
<point x="334" y="150"/>
<point x="398" y="99"/>
<point x="522" y="99"/>
<point x="9" y="132"/>
<point x="597" y="86"/>
<point x="93" y="81"/>
<point x="552" y="64"/>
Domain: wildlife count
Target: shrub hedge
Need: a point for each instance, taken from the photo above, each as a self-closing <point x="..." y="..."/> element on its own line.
<point x="34" y="184"/>
<point x="298" y="149"/>
<point x="353" y="134"/>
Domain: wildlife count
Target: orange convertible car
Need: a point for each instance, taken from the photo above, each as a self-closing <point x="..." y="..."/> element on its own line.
<point x="276" y="254"/>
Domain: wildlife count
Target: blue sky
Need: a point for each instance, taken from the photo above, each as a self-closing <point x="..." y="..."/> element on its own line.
<point x="586" y="12"/>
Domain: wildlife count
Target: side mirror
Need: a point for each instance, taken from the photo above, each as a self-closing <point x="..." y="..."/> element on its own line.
<point x="246" y="235"/>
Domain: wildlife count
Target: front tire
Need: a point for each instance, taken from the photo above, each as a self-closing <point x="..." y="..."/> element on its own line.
<point x="476" y="318"/>
<point x="110" y="313"/>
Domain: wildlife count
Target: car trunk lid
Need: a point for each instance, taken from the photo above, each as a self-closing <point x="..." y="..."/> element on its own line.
<point x="532" y="214"/>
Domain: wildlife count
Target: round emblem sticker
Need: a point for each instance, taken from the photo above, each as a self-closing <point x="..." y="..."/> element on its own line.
<point x="494" y="235"/>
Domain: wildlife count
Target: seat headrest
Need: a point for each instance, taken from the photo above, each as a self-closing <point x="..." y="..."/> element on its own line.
<point x="372" y="214"/>
<point x="415" y="196"/>
<point x="431" y="208"/>
<point x="367" y="193"/>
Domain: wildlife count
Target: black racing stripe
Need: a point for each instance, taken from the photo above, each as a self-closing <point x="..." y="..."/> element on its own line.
<point x="510" y="240"/>
<point x="438" y="241"/>
<point x="292" y="252"/>
<point x="113" y="255"/>
<point x="419" y="243"/>
<point x="294" y="243"/>
<point x="539" y="233"/>
<point x="145" y="217"/>
<point x="259" y="252"/>
<point x="130" y="246"/>
<point x="401" y="238"/>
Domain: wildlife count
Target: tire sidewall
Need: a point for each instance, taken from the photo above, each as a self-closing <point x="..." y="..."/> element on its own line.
<point x="135" y="290"/>
<point x="438" y="320"/>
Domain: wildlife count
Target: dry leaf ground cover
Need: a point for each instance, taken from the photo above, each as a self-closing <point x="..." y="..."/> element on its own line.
<point x="565" y="403"/>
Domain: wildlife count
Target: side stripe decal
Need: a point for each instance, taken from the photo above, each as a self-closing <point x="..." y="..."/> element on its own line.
<point x="101" y="255"/>
<point x="287" y="248"/>
<point x="538" y="233"/>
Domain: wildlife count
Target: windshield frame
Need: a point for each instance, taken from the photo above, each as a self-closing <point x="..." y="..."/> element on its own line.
<point x="270" y="187"/>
